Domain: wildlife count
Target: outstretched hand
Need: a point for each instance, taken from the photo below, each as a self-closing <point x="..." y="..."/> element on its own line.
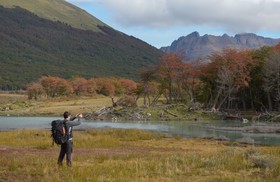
<point x="79" y="115"/>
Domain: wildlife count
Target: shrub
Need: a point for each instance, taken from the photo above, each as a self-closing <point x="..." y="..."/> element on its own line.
<point x="34" y="90"/>
<point x="262" y="162"/>
<point x="128" y="101"/>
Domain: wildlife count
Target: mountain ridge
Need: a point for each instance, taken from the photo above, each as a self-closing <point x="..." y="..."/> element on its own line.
<point x="58" y="10"/>
<point x="194" y="46"/>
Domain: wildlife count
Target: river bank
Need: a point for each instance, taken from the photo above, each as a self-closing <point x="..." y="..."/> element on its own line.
<point x="100" y="109"/>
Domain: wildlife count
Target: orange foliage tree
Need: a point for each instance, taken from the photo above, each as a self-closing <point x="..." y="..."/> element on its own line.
<point x="169" y="68"/>
<point x="91" y="86"/>
<point x="55" y="86"/>
<point x="80" y="85"/>
<point x="129" y="86"/>
<point x="105" y="86"/>
<point x="227" y="73"/>
<point x="188" y="80"/>
<point x="34" y="90"/>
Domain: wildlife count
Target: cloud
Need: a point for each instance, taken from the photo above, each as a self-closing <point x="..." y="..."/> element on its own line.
<point x="232" y="15"/>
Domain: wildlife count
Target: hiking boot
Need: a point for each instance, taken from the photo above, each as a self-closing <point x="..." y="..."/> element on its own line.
<point x="69" y="164"/>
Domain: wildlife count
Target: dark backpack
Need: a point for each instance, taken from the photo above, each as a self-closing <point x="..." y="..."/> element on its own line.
<point x="59" y="134"/>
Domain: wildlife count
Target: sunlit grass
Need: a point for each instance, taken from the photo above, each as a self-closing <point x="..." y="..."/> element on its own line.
<point x="8" y="98"/>
<point x="53" y="107"/>
<point x="133" y="155"/>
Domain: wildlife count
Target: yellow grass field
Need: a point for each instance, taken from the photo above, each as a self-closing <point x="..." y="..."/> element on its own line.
<point x="18" y="104"/>
<point x="123" y="155"/>
<point x="134" y="155"/>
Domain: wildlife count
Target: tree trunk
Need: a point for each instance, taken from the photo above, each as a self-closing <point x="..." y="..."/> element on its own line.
<point x="269" y="101"/>
<point x="169" y="100"/>
<point x="145" y="100"/>
<point x="155" y="100"/>
<point x="216" y="99"/>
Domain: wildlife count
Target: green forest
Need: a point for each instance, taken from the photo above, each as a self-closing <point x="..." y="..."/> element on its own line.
<point x="32" y="47"/>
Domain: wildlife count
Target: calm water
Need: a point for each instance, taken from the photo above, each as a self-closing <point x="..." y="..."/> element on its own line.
<point x="187" y="129"/>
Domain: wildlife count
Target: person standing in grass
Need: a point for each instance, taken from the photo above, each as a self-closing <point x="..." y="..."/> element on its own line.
<point x="67" y="147"/>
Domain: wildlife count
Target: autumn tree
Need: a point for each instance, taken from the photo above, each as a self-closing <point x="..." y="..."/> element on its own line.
<point x="91" y="86"/>
<point x="55" y="86"/>
<point x="80" y="85"/>
<point x="128" y="86"/>
<point x="188" y="80"/>
<point x="226" y="74"/>
<point x="168" y="69"/>
<point x="147" y="86"/>
<point x="105" y="86"/>
<point x="149" y="91"/>
<point x="34" y="90"/>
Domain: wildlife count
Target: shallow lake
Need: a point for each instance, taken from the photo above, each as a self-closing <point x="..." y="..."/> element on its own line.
<point x="186" y="129"/>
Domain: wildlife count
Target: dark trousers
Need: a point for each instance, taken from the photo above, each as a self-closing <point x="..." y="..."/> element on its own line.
<point x="66" y="149"/>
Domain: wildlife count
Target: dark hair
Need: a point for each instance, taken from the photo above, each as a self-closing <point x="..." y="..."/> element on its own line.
<point x="66" y="114"/>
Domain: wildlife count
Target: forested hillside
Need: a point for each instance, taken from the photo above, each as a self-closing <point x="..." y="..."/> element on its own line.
<point x="32" y="47"/>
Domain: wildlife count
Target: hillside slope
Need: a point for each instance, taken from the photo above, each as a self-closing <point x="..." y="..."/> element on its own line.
<point x="32" y="47"/>
<point x="194" y="46"/>
<point x="57" y="10"/>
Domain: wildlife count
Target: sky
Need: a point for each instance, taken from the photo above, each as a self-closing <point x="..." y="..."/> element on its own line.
<point x="160" y="22"/>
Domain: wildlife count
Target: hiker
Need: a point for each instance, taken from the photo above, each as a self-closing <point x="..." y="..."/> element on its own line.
<point x="67" y="147"/>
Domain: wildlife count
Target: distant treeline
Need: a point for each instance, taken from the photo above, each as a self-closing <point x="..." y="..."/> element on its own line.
<point x="232" y="79"/>
<point x="55" y="87"/>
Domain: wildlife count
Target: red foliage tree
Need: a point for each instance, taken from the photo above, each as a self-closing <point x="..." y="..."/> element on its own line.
<point x="105" y="86"/>
<point x="34" y="90"/>
<point x="128" y="85"/>
<point x="80" y="85"/>
<point x="277" y="47"/>
<point x="188" y="80"/>
<point x="228" y="72"/>
<point x="91" y="86"/>
<point x="169" y="68"/>
<point x="55" y="86"/>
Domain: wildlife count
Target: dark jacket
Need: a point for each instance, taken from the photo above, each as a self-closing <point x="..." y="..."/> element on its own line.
<point x="75" y="121"/>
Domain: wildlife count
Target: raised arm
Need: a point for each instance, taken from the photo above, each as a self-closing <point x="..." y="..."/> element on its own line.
<point x="75" y="121"/>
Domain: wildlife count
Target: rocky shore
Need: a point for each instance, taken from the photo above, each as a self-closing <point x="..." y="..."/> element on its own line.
<point x="254" y="128"/>
<point x="158" y="113"/>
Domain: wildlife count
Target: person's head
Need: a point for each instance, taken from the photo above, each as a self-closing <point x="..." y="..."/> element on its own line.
<point x="66" y="115"/>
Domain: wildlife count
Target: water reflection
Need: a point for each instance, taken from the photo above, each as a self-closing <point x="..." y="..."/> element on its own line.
<point x="189" y="129"/>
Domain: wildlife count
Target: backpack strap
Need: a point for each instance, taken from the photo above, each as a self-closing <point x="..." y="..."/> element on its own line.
<point x="66" y="129"/>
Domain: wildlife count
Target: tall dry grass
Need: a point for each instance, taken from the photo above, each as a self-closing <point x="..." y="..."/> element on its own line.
<point x="20" y="105"/>
<point x="133" y="155"/>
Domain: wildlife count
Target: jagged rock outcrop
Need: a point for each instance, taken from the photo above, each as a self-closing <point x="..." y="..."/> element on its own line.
<point x="194" y="46"/>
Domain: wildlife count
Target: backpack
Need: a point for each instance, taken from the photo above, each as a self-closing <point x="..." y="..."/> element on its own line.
<point x="58" y="130"/>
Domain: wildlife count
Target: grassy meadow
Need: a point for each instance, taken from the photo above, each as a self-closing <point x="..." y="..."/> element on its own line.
<point x="133" y="155"/>
<point x="19" y="105"/>
<point x="123" y="155"/>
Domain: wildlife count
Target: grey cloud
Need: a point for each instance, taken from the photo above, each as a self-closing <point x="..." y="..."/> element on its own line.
<point x="233" y="15"/>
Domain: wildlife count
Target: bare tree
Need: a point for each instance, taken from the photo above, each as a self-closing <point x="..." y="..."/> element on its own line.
<point x="225" y="82"/>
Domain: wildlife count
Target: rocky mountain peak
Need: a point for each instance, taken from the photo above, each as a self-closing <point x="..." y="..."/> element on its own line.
<point x="194" y="46"/>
